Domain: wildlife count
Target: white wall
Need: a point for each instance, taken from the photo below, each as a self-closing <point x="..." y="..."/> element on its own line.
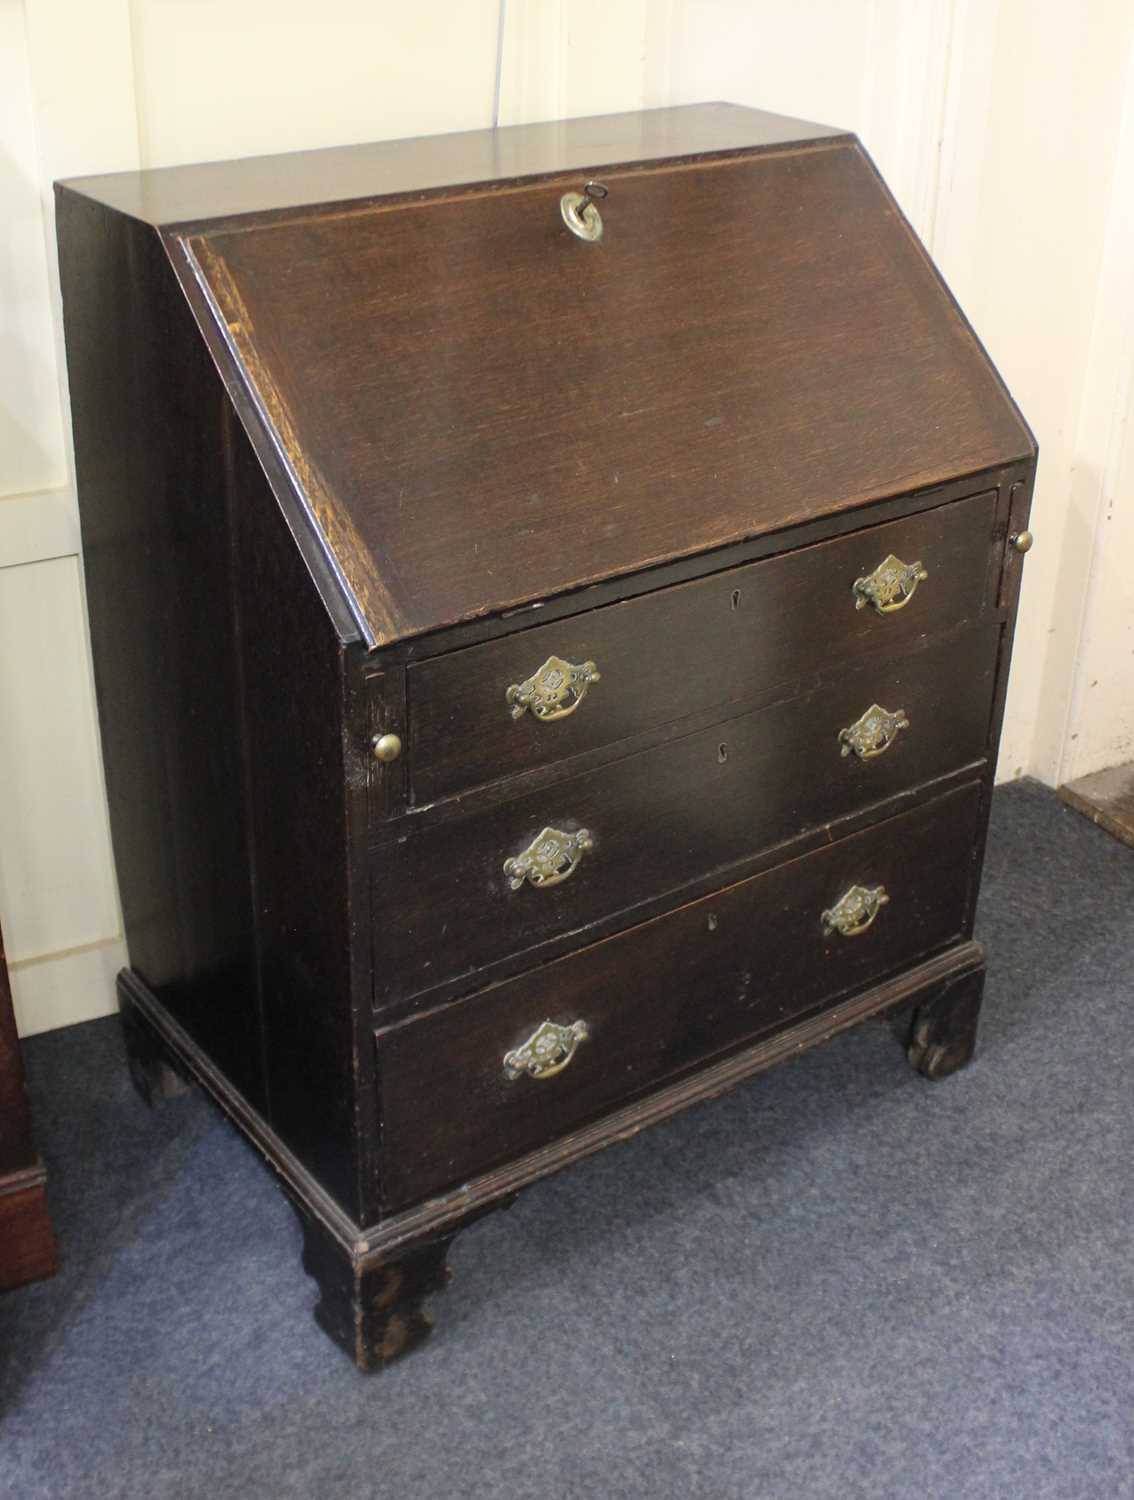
<point x="1006" y="128"/>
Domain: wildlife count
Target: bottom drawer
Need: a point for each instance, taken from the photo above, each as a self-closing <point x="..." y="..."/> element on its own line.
<point x="662" y="997"/>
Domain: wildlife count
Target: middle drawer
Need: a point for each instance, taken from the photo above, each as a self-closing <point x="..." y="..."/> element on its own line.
<point x="466" y="891"/>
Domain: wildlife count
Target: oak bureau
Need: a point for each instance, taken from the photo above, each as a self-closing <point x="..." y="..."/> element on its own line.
<point x="551" y="593"/>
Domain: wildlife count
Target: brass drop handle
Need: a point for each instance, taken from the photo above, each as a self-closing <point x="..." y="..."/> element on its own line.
<point x="580" y="211"/>
<point x="551" y="857"/>
<point x="553" y="692"/>
<point x="546" y="1052"/>
<point x="873" y="733"/>
<point x="890" y="587"/>
<point x="855" y="910"/>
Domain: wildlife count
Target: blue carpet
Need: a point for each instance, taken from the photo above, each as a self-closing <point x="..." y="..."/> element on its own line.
<point x="840" y="1281"/>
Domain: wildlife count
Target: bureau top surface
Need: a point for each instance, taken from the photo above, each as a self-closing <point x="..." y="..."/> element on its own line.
<point x="479" y="410"/>
<point x="168" y="196"/>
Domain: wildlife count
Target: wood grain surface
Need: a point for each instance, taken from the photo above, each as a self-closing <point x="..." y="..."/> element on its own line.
<point x="663" y="996"/>
<point x="483" y="410"/>
<point x="699" y="646"/>
<point x="168" y="196"/>
<point x="443" y="907"/>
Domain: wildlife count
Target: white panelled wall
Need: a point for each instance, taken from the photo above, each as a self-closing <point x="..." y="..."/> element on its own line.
<point x="1005" y="127"/>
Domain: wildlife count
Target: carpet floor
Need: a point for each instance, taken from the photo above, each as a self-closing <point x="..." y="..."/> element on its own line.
<point x="839" y="1281"/>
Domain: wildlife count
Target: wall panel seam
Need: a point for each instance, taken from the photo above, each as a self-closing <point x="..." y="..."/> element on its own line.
<point x="1102" y="427"/>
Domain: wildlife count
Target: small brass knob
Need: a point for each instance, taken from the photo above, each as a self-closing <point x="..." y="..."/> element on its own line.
<point x="1022" y="541"/>
<point x="386" y="747"/>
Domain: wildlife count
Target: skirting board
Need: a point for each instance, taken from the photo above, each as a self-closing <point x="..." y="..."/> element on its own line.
<point x="63" y="989"/>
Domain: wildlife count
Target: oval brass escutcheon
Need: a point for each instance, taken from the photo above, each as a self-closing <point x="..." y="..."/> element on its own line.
<point x="546" y="1052"/>
<point x="553" y="692"/>
<point x="552" y="856"/>
<point x="855" y="910"/>
<point x="890" y="587"/>
<point x="873" y="733"/>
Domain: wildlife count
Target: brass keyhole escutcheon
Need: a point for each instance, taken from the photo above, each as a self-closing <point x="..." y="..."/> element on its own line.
<point x="580" y="211"/>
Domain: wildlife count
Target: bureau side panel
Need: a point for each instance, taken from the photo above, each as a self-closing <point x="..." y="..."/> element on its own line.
<point x="301" y="781"/>
<point x="147" y="419"/>
<point x="219" y="683"/>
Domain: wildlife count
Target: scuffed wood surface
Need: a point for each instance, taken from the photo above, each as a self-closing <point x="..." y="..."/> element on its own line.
<point x="1107" y="798"/>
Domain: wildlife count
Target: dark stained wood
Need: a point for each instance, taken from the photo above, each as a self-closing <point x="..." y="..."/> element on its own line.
<point x="27" y="1242"/>
<point x="943" y="1033"/>
<point x="461" y="433"/>
<point x="374" y="1310"/>
<point x="708" y="644"/>
<point x="154" y="1070"/>
<point x="369" y="1248"/>
<point x="661" y="997"/>
<point x="661" y="819"/>
<point x="148" y="419"/>
<point x="298" y="768"/>
<point x="481" y="410"/>
<point x="704" y="564"/>
<point x="1107" y="798"/>
<point x="429" y="164"/>
<point x="17" y="1150"/>
<point x="227" y="787"/>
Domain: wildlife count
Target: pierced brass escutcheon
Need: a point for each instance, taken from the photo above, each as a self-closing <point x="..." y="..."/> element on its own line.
<point x="551" y="856"/>
<point x="874" y="733"/>
<point x="855" y="910"/>
<point x="890" y="587"/>
<point x="553" y="692"/>
<point x="546" y="1052"/>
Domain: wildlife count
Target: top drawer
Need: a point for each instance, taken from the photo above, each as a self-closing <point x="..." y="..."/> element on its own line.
<point x="476" y="716"/>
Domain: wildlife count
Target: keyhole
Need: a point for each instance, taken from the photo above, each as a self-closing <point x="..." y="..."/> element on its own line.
<point x="736" y="598"/>
<point x="712" y="922"/>
<point x="722" y="753"/>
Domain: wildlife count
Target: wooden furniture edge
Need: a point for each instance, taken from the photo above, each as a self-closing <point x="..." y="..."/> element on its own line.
<point x="371" y="1246"/>
<point x="27" y="1240"/>
<point x="1107" y="798"/>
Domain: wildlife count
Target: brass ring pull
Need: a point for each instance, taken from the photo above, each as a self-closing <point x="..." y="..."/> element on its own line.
<point x="890" y="587"/>
<point x="855" y="910"/>
<point x="580" y="211"/>
<point x="552" y="856"/>
<point x="546" y="1052"/>
<point x="553" y="692"/>
<point x="874" y="733"/>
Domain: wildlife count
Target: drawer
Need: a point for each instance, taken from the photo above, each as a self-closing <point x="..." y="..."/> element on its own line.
<point x="664" y="996"/>
<point x="654" y="822"/>
<point x="686" y="649"/>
